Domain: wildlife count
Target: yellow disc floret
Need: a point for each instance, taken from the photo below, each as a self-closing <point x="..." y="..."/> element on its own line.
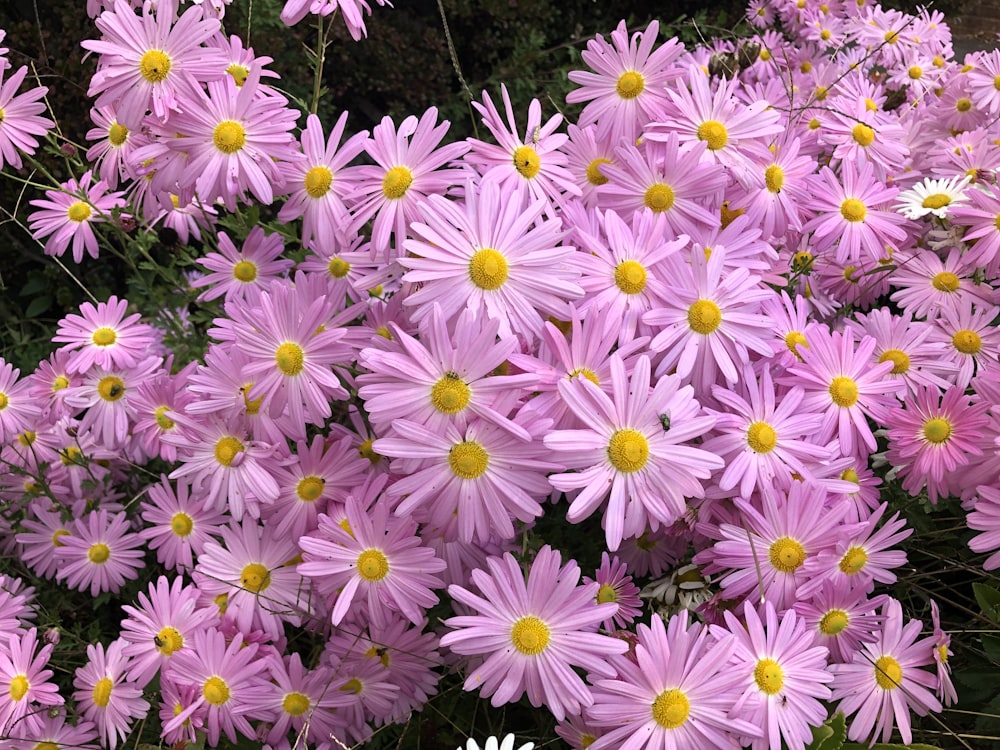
<point x="169" y="640"/>
<point x="769" y="676"/>
<point x="526" y="161"/>
<point x="946" y="281"/>
<point x="704" y="317"/>
<point x="659" y="197"/>
<point x="834" y="622"/>
<point x="229" y="136"/>
<point x="786" y="554"/>
<point x="937" y="430"/>
<point x="468" y="459"/>
<point x="530" y="635"/>
<point x="938" y="200"/>
<point x="888" y="672"/>
<point x="630" y="276"/>
<point x="488" y="269"/>
<point x="290" y="358"/>
<point x="226" y="450"/>
<point x="761" y="437"/>
<point x="630" y="84"/>
<point x="967" y="341"/>
<point x="310" y="488"/>
<point x="594" y="174"/>
<point x="255" y="577"/>
<point x="774" y="178"/>
<point x="843" y="391"/>
<point x="863" y="135"/>
<point x="853" y="560"/>
<point x="317" y="181"/>
<point x="450" y="394"/>
<point x="104" y="336"/>
<point x="245" y="271"/>
<point x="671" y="708"/>
<point x="154" y="65"/>
<point x="215" y="690"/>
<point x="853" y="210"/>
<point x="714" y="134"/>
<point x="181" y="524"/>
<point x="295" y="704"/>
<point x="101" y="693"/>
<point x="900" y="360"/>
<point x="628" y="450"/>
<point x="373" y="565"/>
<point x="78" y="211"/>
<point x="396" y="182"/>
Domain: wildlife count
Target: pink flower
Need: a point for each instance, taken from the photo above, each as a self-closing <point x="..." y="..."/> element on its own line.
<point x="99" y="553"/>
<point x="67" y="216"/>
<point x="104" y="337"/>
<point x="177" y="525"/>
<point x="616" y="586"/>
<point x="233" y="272"/>
<point x="20" y="123"/>
<point x="985" y="517"/>
<point x="532" y="633"/>
<point x="106" y="696"/>
<point x="24" y="682"/>
<point x="18" y="410"/>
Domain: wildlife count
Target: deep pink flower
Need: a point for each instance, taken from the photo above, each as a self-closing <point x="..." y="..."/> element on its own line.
<point x="105" y="695"/>
<point x="24" y="682"/>
<point x="20" y="124"/>
<point x="67" y="216"/>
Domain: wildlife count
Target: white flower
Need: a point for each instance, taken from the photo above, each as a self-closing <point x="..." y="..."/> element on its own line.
<point x="932" y="196"/>
<point x="492" y="743"/>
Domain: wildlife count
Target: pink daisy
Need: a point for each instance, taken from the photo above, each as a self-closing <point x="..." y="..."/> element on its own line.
<point x="530" y="634"/>
<point x="100" y="553"/>
<point x="18" y="409"/>
<point x="233" y="272"/>
<point x="24" y="682"/>
<point x="675" y="692"/>
<point x="885" y="681"/>
<point x="616" y="586"/>
<point x="970" y="337"/>
<point x="841" y="619"/>
<point x="177" y="525"/>
<point x="928" y="284"/>
<point x="985" y="518"/>
<point x="105" y="695"/>
<point x="942" y="651"/>
<point x="634" y="451"/>
<point x="43" y="533"/>
<point x="495" y="256"/>
<point x="106" y="396"/>
<point x="53" y="728"/>
<point x="67" y="216"/>
<point x="981" y="218"/>
<point x="21" y="123"/>
<point x="112" y="154"/>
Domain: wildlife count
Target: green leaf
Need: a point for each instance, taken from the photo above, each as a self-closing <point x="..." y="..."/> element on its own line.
<point x="831" y="735"/>
<point x="991" y="645"/>
<point x="988" y="599"/>
<point x="914" y="746"/>
<point x="37" y="306"/>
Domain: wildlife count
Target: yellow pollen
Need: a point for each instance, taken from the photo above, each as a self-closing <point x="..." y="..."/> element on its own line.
<point x="659" y="197"/>
<point x="215" y="690"/>
<point x="671" y="708"/>
<point x="727" y="216"/>
<point x="59" y="383"/>
<point x="967" y="341"/>
<point x="110" y="388"/>
<point x="853" y="561"/>
<point x="943" y="653"/>
<point x="468" y="460"/>
<point x="822" y="91"/>
<point x="774" y="178"/>
<point x="630" y="84"/>
<point x="814" y="124"/>
<point x="825" y="35"/>
<point x="295" y="704"/>
<point x="526" y="161"/>
<point x="310" y="488"/>
<point x="630" y="276"/>
<point x="181" y="524"/>
<point x="117" y="134"/>
<point x="915" y="72"/>
<point x="834" y="622"/>
<point x="769" y="676"/>
<point x="870" y="104"/>
<point x="102" y="692"/>
<point x="170" y="641"/>
<point x="765" y="55"/>
<point x="937" y="430"/>
<point x="396" y="182"/>
<point x="606" y="593"/>
<point x="290" y="358"/>
<point x="229" y="136"/>
<point x="222" y="603"/>
<point x="353" y="685"/>
<point x="945" y="281"/>
<point x="891" y="36"/>
<point x="162" y="420"/>
<point x="338" y="267"/>
<point x="900" y="360"/>
<point x="71" y="456"/>
<point x="806" y="66"/>
<point x="963" y="105"/>
<point x="239" y="74"/>
<point x="714" y="134"/>
<point x="786" y="554"/>
<point x="530" y="635"/>
<point x="78" y="211"/>
<point x="25" y="438"/>
<point x="795" y="339"/>
<point x="99" y="553"/>
<point x="450" y="394"/>
<point x="382" y="654"/>
<point x="587" y="373"/>
<point x="594" y="174"/>
<point x="888" y="672"/>
<point x="252" y="405"/>
<point x="155" y="65"/>
<point x="384" y="333"/>
<point x="57" y="535"/>
<point x="996" y="83"/>
<point x="761" y="437"/>
<point x="373" y="565"/>
<point x="366" y="451"/>
<point x="488" y="269"/>
<point x="853" y="210"/>
<point x="863" y="135"/>
<point x="848" y="274"/>
<point x="104" y="336"/>
<point x="226" y="450"/>
<point x="245" y="271"/>
<point x="628" y="450"/>
<point x="19" y="687"/>
<point x="317" y="181"/>
<point x="255" y="577"/>
<point x="704" y="317"/>
<point x="843" y="391"/>
<point x="938" y="200"/>
<point x="850" y="475"/>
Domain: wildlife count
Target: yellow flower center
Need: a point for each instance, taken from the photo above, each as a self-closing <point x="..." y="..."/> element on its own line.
<point x="488" y="269"/>
<point x="802" y="261"/>
<point x="606" y="593"/>
<point x="226" y="450"/>
<point x="900" y="360"/>
<point x="468" y="460"/>
<point x="850" y="475"/>
<point x="628" y="450"/>
<point x="25" y="438"/>
<point x="117" y="134"/>
<point x="963" y="105"/>
<point x="671" y="708"/>
<point x="587" y="373"/>
<point x="769" y="676"/>
<point x="659" y="197"/>
<point x="938" y="200"/>
<point x="795" y="339"/>
<point x="104" y="336"/>
<point x="366" y="451"/>
<point x="945" y="281"/>
<point x="169" y="641"/>
<point x="245" y="271"/>
<point x="229" y="136"/>
<point x="774" y="178"/>
<point x="338" y="267"/>
<point x="317" y="181"/>
<point x="967" y="341"/>
<point x="59" y="383"/>
<point x="290" y="358"/>
<point x="630" y="84"/>
<point x="181" y="524"/>
<point x="863" y="135"/>
<point x="57" y="535"/>
<point x="853" y="210"/>
<point x="526" y="161"/>
<point x="102" y="692"/>
<point x="630" y="276"/>
<point x="714" y="134"/>
<point x="295" y="704"/>
<point x="78" y="211"/>
<point x="786" y="554"/>
<point x="110" y="388"/>
<point x="353" y="686"/>
<point x="310" y="488"/>
<point x="530" y="635"/>
<point x="155" y="65"/>
<point x="239" y="74"/>
<point x="761" y="437"/>
<point x="891" y="37"/>
<point x="996" y="83"/>
<point x="915" y="72"/>
<point x="215" y="690"/>
<point x="704" y="316"/>
<point x="450" y="394"/>
<point x="99" y="553"/>
<point x="255" y="577"/>
<point x="888" y="672"/>
<point x="853" y="561"/>
<point x="396" y="182"/>
<point x="373" y="565"/>
<point x="594" y="174"/>
<point x="382" y="654"/>
<point x="162" y="420"/>
<point x="843" y="391"/>
<point x="19" y="687"/>
<point x="834" y="622"/>
<point x="937" y="430"/>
